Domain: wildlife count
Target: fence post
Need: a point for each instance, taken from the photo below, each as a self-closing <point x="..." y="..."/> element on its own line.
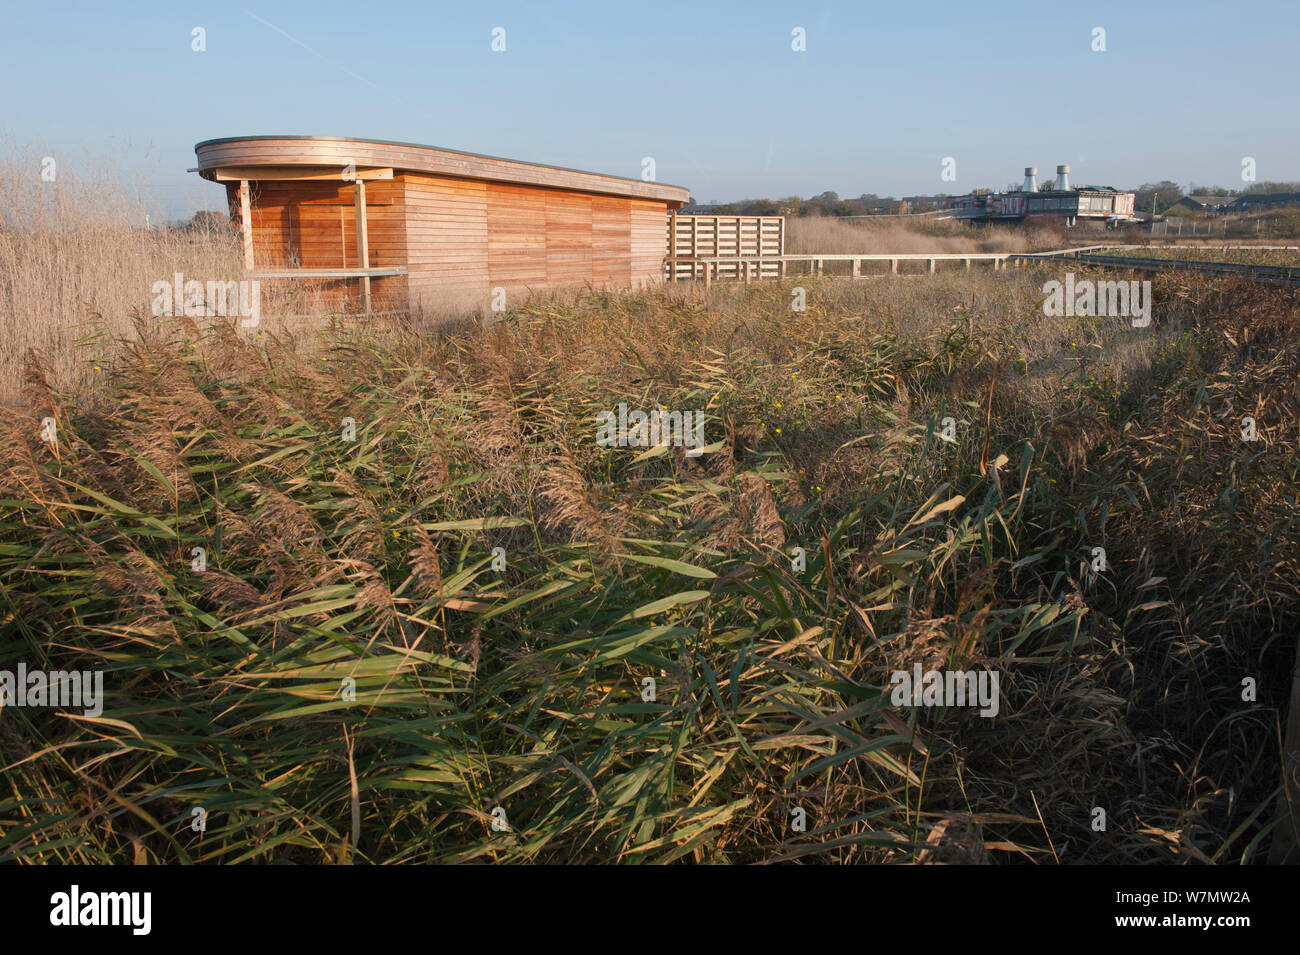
<point x="672" y="245"/>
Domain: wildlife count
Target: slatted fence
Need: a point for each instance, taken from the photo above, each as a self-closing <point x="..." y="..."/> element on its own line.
<point x="723" y="237"/>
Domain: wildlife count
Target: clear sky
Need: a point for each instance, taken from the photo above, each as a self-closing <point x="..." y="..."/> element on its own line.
<point x="713" y="91"/>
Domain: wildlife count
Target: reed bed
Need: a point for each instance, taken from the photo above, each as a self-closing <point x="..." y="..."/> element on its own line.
<point x="833" y="236"/>
<point x="79" y="260"/>
<point x="1208" y="253"/>
<point x="356" y="676"/>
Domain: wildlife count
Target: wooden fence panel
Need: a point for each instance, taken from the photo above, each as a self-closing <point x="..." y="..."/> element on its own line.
<point x="697" y="236"/>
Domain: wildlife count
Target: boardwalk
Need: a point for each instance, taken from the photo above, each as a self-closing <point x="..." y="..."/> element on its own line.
<point x="749" y="268"/>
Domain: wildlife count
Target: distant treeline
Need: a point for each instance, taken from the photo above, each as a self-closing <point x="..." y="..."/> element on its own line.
<point x="1165" y="193"/>
<point x="826" y="204"/>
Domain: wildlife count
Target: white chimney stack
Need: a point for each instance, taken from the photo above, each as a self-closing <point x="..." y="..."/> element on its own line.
<point x="1031" y="179"/>
<point x="1062" y="178"/>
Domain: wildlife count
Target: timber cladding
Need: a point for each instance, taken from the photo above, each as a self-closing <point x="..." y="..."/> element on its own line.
<point x="459" y="229"/>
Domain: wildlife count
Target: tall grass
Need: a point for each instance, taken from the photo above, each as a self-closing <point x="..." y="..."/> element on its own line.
<point x="78" y="258"/>
<point x="523" y="689"/>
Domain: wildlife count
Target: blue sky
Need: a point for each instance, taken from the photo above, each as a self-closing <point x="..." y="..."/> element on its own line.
<point x="713" y="91"/>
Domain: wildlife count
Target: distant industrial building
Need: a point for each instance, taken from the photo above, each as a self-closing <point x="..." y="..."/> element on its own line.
<point x="1061" y="202"/>
<point x="926" y="203"/>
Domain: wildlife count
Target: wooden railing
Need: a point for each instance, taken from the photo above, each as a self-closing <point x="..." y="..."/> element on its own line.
<point x="748" y="268"/>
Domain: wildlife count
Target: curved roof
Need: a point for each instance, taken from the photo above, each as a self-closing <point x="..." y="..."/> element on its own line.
<point x="334" y="152"/>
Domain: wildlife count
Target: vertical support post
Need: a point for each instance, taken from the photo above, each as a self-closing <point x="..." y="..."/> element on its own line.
<point x="363" y="241"/>
<point x="780" y="244"/>
<point x="855" y="268"/>
<point x="246" y="223"/>
<point x="672" y="246"/>
<point x="740" y="246"/>
<point x="695" y="252"/>
<point x="893" y="266"/>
